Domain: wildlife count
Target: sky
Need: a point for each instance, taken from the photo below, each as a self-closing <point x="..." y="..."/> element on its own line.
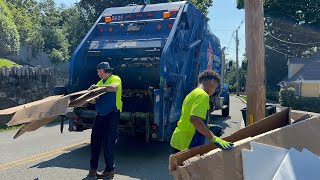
<point x="225" y="18"/>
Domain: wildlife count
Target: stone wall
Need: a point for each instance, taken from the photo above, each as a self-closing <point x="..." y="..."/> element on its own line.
<point x="20" y="85"/>
<point x="27" y="55"/>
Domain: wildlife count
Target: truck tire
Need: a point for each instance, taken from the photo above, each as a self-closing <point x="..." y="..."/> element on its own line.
<point x="225" y="112"/>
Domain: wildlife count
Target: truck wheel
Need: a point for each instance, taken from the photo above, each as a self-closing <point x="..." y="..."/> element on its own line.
<point x="225" y="112"/>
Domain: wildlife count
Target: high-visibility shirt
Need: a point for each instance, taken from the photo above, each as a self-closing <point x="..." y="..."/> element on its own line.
<point x="185" y="135"/>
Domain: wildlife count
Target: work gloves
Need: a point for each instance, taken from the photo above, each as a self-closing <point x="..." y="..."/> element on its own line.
<point x="225" y="145"/>
<point x="216" y="129"/>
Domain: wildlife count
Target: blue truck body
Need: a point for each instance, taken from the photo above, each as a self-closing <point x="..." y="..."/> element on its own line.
<point x="158" y="59"/>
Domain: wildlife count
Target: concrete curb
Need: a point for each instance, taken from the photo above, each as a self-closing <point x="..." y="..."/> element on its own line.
<point x="244" y="101"/>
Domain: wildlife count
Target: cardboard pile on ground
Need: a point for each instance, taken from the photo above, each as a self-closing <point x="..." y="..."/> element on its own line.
<point x="265" y="162"/>
<point x="209" y="162"/>
<point x="39" y="113"/>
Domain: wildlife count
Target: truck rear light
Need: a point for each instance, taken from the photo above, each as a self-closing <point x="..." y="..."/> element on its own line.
<point x="107" y="19"/>
<point x="166" y="15"/>
<point x="128" y="16"/>
<point x="149" y="15"/>
<point x="170" y="26"/>
<point x="101" y="30"/>
<point x="159" y="26"/>
<point x="110" y="29"/>
<point x="138" y="15"/>
<point x="75" y="119"/>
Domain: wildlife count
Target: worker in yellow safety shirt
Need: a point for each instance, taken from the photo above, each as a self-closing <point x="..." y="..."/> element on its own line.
<point x="105" y="127"/>
<point x="192" y="127"/>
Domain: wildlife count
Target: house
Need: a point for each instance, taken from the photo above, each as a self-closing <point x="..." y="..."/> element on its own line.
<point x="304" y="76"/>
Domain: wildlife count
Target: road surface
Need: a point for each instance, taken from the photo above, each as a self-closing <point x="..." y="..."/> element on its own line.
<point x="48" y="154"/>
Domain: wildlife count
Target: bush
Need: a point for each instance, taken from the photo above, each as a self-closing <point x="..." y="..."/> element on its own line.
<point x="272" y="95"/>
<point x="56" y="56"/>
<point x="287" y="97"/>
<point x="9" y="36"/>
<point x="311" y="104"/>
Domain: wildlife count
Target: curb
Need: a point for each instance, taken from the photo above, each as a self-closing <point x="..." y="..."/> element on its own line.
<point x="244" y="101"/>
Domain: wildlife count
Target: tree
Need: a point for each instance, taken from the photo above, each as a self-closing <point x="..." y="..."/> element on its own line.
<point x="9" y="35"/>
<point x="203" y="5"/>
<point x="291" y="30"/>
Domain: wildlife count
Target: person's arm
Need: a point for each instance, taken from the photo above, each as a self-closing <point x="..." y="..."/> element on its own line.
<point x="111" y="88"/>
<point x="201" y="127"/>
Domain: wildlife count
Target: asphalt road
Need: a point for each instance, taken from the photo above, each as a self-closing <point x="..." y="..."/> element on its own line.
<point x="47" y="154"/>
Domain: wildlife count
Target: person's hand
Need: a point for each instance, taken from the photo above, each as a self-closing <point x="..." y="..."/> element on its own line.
<point x="225" y="145"/>
<point x="216" y="129"/>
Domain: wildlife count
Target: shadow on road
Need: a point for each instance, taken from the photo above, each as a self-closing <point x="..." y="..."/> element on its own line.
<point x="220" y="120"/>
<point x="134" y="158"/>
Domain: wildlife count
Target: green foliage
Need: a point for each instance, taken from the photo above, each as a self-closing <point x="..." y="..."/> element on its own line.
<point x="272" y="95"/>
<point x="292" y="30"/>
<point x="7" y="63"/>
<point x="287" y="97"/>
<point x="203" y="5"/>
<point x="57" y="56"/>
<point x="9" y="35"/>
<point x="311" y="104"/>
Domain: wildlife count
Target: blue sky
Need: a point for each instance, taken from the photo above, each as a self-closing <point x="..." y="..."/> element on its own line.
<point x="225" y="18"/>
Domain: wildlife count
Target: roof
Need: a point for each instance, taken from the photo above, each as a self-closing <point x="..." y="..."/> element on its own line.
<point x="311" y="71"/>
<point x="314" y="57"/>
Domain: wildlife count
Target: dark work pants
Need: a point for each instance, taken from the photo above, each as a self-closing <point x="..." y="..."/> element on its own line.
<point x="104" y="133"/>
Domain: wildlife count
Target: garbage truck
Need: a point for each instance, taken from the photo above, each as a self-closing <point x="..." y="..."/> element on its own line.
<point x="158" y="50"/>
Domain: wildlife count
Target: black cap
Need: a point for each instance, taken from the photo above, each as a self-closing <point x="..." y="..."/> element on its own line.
<point x="105" y="66"/>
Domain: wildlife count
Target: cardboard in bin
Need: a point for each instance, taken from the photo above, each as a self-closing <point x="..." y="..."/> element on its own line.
<point x="209" y="162"/>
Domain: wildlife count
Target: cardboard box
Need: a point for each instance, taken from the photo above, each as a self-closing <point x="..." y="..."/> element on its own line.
<point x="40" y="113"/>
<point x="209" y="162"/>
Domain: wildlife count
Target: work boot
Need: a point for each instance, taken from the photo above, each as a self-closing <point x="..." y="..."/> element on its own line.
<point x="106" y="174"/>
<point x="93" y="173"/>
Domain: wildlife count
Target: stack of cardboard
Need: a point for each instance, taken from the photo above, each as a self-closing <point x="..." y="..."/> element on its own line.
<point x="39" y="113"/>
<point x="209" y="162"/>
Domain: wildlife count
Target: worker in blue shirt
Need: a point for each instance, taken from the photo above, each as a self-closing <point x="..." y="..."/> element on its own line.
<point x="105" y="128"/>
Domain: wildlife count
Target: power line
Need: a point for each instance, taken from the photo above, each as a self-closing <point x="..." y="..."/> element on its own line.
<point x="278" y="51"/>
<point x="299" y="5"/>
<point x="294" y="32"/>
<point x="234" y="32"/>
<point x="230" y="40"/>
<point x="293" y="43"/>
<point x="221" y="30"/>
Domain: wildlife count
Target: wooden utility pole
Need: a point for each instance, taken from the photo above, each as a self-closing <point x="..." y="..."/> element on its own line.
<point x="256" y="90"/>
<point x="237" y="62"/>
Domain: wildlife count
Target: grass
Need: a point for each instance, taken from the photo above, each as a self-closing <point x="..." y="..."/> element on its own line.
<point x="6" y="62"/>
<point x="243" y="97"/>
<point x="4" y="128"/>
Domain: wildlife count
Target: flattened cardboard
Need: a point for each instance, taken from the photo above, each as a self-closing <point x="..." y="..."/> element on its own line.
<point x="226" y="165"/>
<point x="274" y="121"/>
<point x="34" y="125"/>
<point x="17" y="108"/>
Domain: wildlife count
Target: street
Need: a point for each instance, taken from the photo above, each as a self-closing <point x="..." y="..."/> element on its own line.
<point x="48" y="154"/>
